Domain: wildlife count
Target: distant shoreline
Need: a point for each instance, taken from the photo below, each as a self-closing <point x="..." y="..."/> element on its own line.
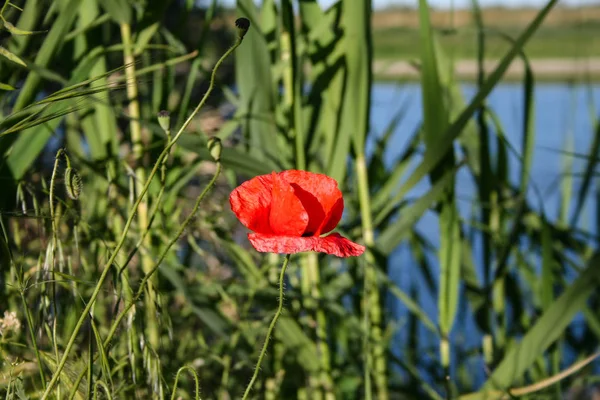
<point x="543" y="69"/>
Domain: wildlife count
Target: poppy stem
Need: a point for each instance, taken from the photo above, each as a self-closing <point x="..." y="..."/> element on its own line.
<point x="271" y="327"/>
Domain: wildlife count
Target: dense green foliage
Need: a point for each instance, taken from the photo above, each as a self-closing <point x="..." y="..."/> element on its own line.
<point x="125" y="275"/>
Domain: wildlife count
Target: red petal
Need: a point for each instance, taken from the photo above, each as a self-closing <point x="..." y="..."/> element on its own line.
<point x="334" y="216"/>
<point x="333" y="244"/>
<point x="321" y="198"/>
<point x="288" y="216"/>
<point x="251" y="203"/>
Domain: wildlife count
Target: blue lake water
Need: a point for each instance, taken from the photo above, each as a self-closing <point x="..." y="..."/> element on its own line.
<point x="562" y="112"/>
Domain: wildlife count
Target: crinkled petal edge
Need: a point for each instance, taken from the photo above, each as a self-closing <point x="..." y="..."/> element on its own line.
<point x="334" y="244"/>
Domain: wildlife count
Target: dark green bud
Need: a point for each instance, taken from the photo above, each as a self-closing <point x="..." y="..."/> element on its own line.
<point x="215" y="147"/>
<point x="242" y="25"/>
<point x="164" y="120"/>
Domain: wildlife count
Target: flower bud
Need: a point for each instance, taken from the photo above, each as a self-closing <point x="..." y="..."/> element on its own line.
<point x="242" y="25"/>
<point x="72" y="183"/>
<point x="164" y="120"/>
<point x="214" y="148"/>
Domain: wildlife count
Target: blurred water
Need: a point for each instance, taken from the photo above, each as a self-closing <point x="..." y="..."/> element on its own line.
<point x="561" y="111"/>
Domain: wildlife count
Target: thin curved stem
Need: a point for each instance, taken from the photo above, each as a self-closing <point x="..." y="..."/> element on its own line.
<point x="271" y="327"/>
<point x="194" y="374"/>
<point x="32" y="333"/>
<point x="105" y="387"/>
<point x="125" y="310"/>
<point x="132" y="213"/>
<point x="59" y="153"/>
<point x="184" y="225"/>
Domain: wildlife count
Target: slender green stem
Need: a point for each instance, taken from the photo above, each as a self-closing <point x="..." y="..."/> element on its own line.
<point x="59" y="153"/>
<point x="325" y="382"/>
<point x="271" y="327"/>
<point x="183" y="227"/>
<point x="135" y="129"/>
<point x="121" y="241"/>
<point x="125" y="310"/>
<point x="146" y="231"/>
<point x="233" y="344"/>
<point x="32" y="334"/>
<point x="194" y="374"/>
<point x="374" y="348"/>
<point x="105" y="387"/>
<point x="3" y="8"/>
<point x="155" y="208"/>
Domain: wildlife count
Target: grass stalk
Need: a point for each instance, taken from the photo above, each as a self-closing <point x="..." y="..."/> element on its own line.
<point x="371" y="302"/>
<point x="196" y="381"/>
<point x="309" y="286"/>
<point x="310" y="265"/>
<point x="148" y="276"/>
<point x="53" y="262"/>
<point x="155" y="208"/>
<point x="372" y="298"/>
<point x="135" y="206"/>
<point x="484" y="182"/>
<point x="291" y="80"/>
<point x="271" y="327"/>
<point x="325" y="380"/>
<point x="152" y="324"/>
<point x="105" y="387"/>
<point x="29" y="319"/>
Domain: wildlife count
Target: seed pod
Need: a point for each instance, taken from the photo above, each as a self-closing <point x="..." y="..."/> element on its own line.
<point x="214" y="147"/>
<point x="242" y="25"/>
<point x="164" y="120"/>
<point x="72" y="183"/>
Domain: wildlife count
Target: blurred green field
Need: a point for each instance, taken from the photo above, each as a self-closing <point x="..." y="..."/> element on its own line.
<point x="568" y="32"/>
<point x="556" y="42"/>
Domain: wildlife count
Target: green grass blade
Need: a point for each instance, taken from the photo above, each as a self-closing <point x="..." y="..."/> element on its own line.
<point x="5" y="86"/>
<point x="48" y="50"/>
<point x="546" y="330"/>
<point x="292" y="74"/>
<point x="590" y="169"/>
<point x="119" y="10"/>
<point x="255" y="82"/>
<point x="434" y="155"/>
<point x="33" y="141"/>
<point x="100" y="127"/>
<point x="12" y="57"/>
<point x="436" y="116"/>
<point x="528" y="127"/>
<point x="389" y="239"/>
<point x="354" y="121"/>
<point x="411" y="305"/>
<point x="566" y="184"/>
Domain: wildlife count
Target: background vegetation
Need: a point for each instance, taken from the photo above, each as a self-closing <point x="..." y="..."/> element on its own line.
<point x="147" y="271"/>
<point x="567" y="33"/>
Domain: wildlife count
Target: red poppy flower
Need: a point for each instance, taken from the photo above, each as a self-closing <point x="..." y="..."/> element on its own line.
<point x="288" y="212"/>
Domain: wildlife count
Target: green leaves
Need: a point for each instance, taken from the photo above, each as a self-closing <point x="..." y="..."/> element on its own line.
<point x="12" y="57"/>
<point x="543" y="333"/>
<point x="119" y="10"/>
<point x="16" y="31"/>
<point x="436" y="119"/>
<point x="4" y="86"/>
